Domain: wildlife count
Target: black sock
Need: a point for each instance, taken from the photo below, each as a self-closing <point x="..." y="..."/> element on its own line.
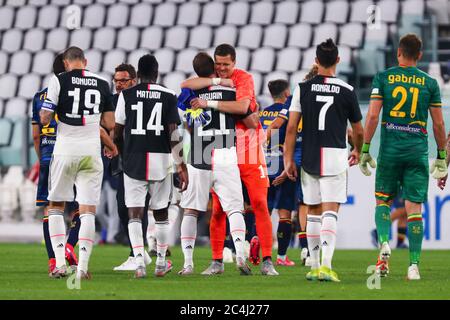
<point x="48" y="242"/>
<point x="74" y="230"/>
<point x="267" y="258"/>
<point x="303" y="241"/>
<point x="284" y="235"/>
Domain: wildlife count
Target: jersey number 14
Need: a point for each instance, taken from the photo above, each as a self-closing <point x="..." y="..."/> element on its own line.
<point x="153" y="124"/>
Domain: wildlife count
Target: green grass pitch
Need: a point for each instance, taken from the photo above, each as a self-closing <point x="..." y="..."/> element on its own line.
<point x="23" y="275"/>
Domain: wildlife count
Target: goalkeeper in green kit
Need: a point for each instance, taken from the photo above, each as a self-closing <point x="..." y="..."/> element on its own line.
<point x="404" y="95"/>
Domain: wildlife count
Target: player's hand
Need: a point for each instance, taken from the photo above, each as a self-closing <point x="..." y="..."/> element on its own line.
<point x="291" y="170"/>
<point x="438" y="169"/>
<point x="198" y="103"/>
<point x="183" y="175"/>
<point x="353" y="159"/>
<point x="280" y="179"/>
<point x="227" y="83"/>
<point x="111" y="152"/>
<point x="366" y="159"/>
<point x="441" y="182"/>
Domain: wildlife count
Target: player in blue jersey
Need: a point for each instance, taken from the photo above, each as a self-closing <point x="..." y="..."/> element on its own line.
<point x="44" y="138"/>
<point x="282" y="191"/>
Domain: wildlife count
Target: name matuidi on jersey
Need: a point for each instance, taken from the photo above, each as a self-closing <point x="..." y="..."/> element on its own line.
<point x="325" y="88"/>
<point x="84" y="81"/>
<point x="211" y="96"/>
<point x="148" y="94"/>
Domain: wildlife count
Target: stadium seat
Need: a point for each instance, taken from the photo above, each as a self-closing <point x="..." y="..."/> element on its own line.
<point x="20" y="63"/>
<point x="106" y="2"/>
<point x="46" y="79"/>
<point x="94" y="60"/>
<point x="288" y="59"/>
<point x="263" y="60"/>
<point x="184" y="60"/>
<point x="262" y="12"/>
<point x="250" y="36"/>
<point x="298" y="77"/>
<point x="264" y="101"/>
<point x="112" y="59"/>
<point x="48" y="17"/>
<point x="117" y="16"/>
<point x="60" y="2"/>
<point x="337" y="11"/>
<point x="128" y="38"/>
<point x="275" y="36"/>
<point x="276" y="75"/>
<point x="153" y="1"/>
<point x="39" y="3"/>
<point x="43" y="62"/>
<point x="359" y="11"/>
<point x="376" y="38"/>
<point x="226" y="34"/>
<point x="200" y="37"/>
<point x="8" y="86"/>
<point x="94" y="16"/>
<point x="176" y="37"/>
<point x="371" y="59"/>
<point x="312" y="12"/>
<point x="151" y="38"/>
<point x="2" y="129"/>
<point x="325" y="31"/>
<point x="189" y="14"/>
<point x="257" y="81"/>
<point x="344" y="66"/>
<point x="441" y="9"/>
<point x="29" y="84"/>
<point x="242" y="58"/>
<point x="4" y="62"/>
<point x="308" y="58"/>
<point x="34" y="40"/>
<point x="352" y="35"/>
<point x="133" y="57"/>
<point x="57" y="39"/>
<point x="389" y="10"/>
<point x="81" y="38"/>
<point x="166" y="58"/>
<point x="173" y="81"/>
<point x="130" y="1"/>
<point x="25" y="18"/>
<point x="300" y="36"/>
<point x="104" y="39"/>
<point x="237" y="13"/>
<point x="12" y="40"/>
<point x="287" y="12"/>
<point x="213" y="13"/>
<point x="6" y="18"/>
<point x="83" y="2"/>
<point x="141" y="15"/>
<point x="412" y="16"/>
<point x="165" y="15"/>
<point x="15" y="3"/>
<point x="16" y="107"/>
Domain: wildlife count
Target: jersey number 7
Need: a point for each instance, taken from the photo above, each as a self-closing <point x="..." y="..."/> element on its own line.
<point x="323" y="111"/>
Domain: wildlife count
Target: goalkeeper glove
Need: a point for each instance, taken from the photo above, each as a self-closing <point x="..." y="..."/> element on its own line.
<point x="366" y="158"/>
<point x="438" y="168"/>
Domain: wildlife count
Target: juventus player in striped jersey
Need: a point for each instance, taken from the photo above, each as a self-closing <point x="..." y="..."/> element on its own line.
<point x="326" y="103"/>
<point x="81" y="100"/>
<point x="146" y="134"/>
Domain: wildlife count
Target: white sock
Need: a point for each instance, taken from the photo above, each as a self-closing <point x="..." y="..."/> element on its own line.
<point x="162" y="234"/>
<point x="174" y="224"/>
<point x="188" y="236"/>
<point x="137" y="240"/>
<point x="328" y="236"/>
<point x="151" y="232"/>
<point x="313" y="234"/>
<point x="237" y="231"/>
<point x="283" y="257"/>
<point x="57" y="231"/>
<point x="86" y="239"/>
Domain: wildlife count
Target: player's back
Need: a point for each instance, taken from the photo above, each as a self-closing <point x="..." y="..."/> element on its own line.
<point x="407" y="93"/>
<point x="80" y="97"/>
<point x="145" y="110"/>
<point x="326" y="104"/>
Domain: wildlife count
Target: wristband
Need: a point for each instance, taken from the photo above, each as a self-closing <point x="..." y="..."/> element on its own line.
<point x="216" y="81"/>
<point x="442" y="154"/>
<point x="213" y="104"/>
<point x="365" y="148"/>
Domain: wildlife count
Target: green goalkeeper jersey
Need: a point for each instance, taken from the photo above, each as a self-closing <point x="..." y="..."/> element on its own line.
<point x="407" y="93"/>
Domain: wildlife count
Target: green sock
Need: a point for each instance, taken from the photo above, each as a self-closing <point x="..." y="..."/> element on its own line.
<point x="383" y="222"/>
<point x="415" y="237"/>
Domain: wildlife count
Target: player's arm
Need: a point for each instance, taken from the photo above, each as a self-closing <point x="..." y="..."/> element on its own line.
<point x="49" y="106"/>
<point x="251" y="121"/>
<point x="357" y="138"/>
<point x="36" y="139"/>
<point x="275" y="125"/>
<point x="108" y="120"/>
<point x="200" y="83"/>
<point x="110" y="148"/>
<point x="438" y="168"/>
<point x="234" y="107"/>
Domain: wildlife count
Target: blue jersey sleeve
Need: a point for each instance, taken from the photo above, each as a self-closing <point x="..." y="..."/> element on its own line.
<point x="35" y="109"/>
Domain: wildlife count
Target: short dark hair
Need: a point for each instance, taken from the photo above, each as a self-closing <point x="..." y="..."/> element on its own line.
<point x="203" y="64"/>
<point x="58" y="64"/>
<point x="127" y="68"/>
<point x="277" y="87"/>
<point x="148" y="67"/>
<point x="410" y="46"/>
<point x="74" y="53"/>
<point x="224" y="50"/>
<point x="327" y="53"/>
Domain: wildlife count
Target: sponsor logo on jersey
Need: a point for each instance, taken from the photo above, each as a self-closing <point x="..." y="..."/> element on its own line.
<point x="404" y="128"/>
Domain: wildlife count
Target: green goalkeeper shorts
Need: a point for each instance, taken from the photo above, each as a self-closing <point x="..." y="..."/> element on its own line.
<point x="410" y="174"/>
